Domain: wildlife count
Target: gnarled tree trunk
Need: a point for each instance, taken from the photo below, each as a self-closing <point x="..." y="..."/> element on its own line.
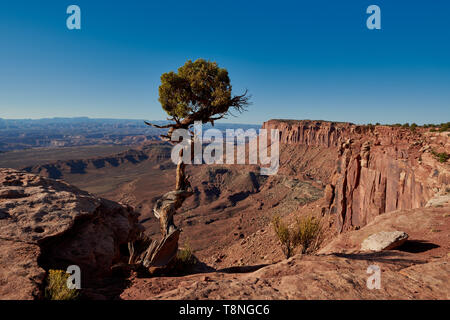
<point x="159" y="254"/>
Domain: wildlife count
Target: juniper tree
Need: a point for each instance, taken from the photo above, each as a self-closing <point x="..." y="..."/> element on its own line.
<point x="198" y="91"/>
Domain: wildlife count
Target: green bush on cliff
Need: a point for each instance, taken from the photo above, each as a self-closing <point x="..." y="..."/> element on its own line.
<point x="441" y="157"/>
<point x="444" y="127"/>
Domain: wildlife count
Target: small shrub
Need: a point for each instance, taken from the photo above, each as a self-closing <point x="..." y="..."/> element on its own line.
<point x="444" y="127"/>
<point x="185" y="255"/>
<point x="413" y="127"/>
<point x="309" y="233"/>
<point x="441" y="157"/>
<point x="184" y="260"/>
<point x="284" y="234"/>
<point x="57" y="286"/>
<point x="306" y="232"/>
<point x="405" y="125"/>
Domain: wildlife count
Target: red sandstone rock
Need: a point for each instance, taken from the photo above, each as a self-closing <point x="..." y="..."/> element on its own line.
<point x="419" y="269"/>
<point x="58" y="224"/>
<point x="378" y="169"/>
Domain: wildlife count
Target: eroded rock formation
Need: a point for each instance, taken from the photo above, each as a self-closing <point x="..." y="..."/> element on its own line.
<point x="377" y="169"/>
<point x="46" y="223"/>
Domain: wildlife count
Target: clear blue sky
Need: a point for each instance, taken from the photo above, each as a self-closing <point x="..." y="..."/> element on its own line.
<point x="299" y="59"/>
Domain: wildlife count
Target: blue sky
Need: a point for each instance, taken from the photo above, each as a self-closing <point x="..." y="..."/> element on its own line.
<point x="298" y="59"/>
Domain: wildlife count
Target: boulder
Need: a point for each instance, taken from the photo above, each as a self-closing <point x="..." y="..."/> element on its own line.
<point x="384" y="240"/>
<point x="49" y="224"/>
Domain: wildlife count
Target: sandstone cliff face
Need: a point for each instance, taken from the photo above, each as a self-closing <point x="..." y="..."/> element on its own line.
<point x="377" y="168"/>
<point x="47" y="223"/>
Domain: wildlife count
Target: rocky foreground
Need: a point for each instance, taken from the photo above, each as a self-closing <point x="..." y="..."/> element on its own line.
<point x="418" y="269"/>
<point x="48" y="224"/>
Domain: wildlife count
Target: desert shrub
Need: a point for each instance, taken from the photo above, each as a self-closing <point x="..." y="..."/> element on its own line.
<point x="184" y="260"/>
<point x="57" y="286"/>
<point x="405" y="125"/>
<point x="285" y="236"/>
<point x="413" y="127"/>
<point x="441" y="157"/>
<point x="306" y="232"/>
<point x="185" y="255"/>
<point x="309" y="233"/>
<point x="444" y="127"/>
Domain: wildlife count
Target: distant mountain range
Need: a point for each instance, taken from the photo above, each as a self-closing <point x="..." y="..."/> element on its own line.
<point x="17" y="134"/>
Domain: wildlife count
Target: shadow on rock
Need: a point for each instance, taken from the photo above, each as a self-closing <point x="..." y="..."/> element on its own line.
<point x="417" y="246"/>
<point x="389" y="257"/>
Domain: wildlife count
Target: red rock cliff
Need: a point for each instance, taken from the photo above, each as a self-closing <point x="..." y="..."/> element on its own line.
<point x="377" y="168"/>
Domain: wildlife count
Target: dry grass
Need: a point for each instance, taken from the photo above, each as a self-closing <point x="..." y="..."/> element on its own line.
<point x="184" y="260"/>
<point x="307" y="232"/>
<point x="57" y="286"/>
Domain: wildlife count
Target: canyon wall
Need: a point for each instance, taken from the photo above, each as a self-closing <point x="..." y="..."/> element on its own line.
<point x="376" y="169"/>
<point x="58" y="169"/>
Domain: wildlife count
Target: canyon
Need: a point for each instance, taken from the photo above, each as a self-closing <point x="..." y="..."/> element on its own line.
<point x="377" y="169"/>
<point x="359" y="179"/>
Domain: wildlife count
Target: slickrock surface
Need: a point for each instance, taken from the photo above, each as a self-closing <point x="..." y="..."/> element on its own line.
<point x="308" y="277"/>
<point x="419" y="269"/>
<point x="46" y="223"/>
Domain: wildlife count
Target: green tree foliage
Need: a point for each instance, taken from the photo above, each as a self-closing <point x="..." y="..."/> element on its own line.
<point x="198" y="91"/>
